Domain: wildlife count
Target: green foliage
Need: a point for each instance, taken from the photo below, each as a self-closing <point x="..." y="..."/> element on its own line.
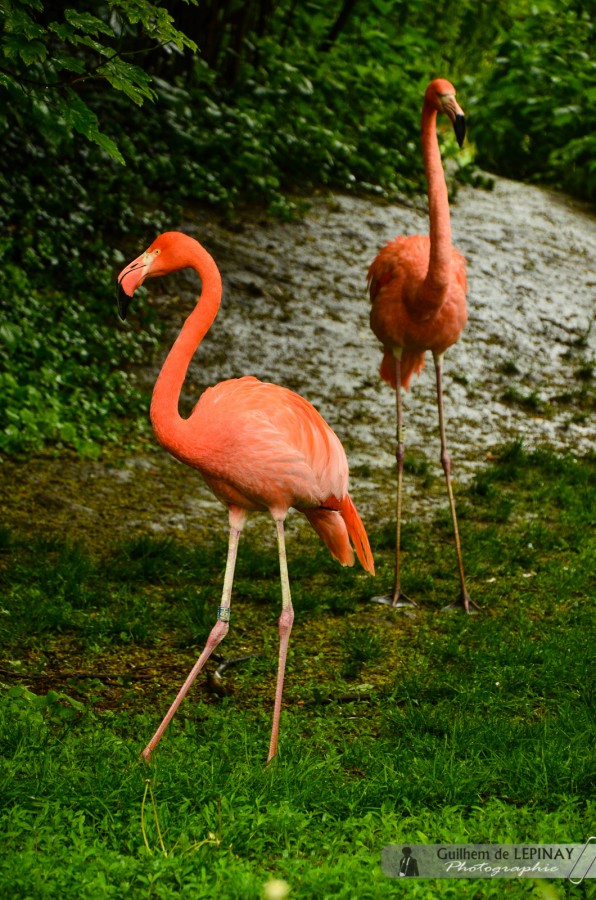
<point x="534" y="111"/>
<point x="44" y="60"/>
<point x="62" y="358"/>
<point x="288" y="128"/>
<point x="81" y="399"/>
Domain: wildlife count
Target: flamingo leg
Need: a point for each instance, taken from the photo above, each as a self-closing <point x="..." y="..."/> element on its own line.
<point x="286" y="620"/>
<point x="397" y="598"/>
<point x="218" y="632"/>
<point x="464" y="600"/>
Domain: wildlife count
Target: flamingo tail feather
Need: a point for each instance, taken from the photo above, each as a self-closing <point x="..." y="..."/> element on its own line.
<point x="337" y="527"/>
<point x="411" y="363"/>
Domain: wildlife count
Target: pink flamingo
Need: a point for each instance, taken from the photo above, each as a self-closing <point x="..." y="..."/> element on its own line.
<point x="418" y="288"/>
<point x="258" y="446"/>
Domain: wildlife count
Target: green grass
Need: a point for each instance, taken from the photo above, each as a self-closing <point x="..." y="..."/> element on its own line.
<point x="465" y="729"/>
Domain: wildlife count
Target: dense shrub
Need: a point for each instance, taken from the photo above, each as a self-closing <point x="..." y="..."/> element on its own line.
<point x="535" y="110"/>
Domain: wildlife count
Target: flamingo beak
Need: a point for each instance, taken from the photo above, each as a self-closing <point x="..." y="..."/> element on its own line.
<point x="453" y="110"/>
<point x="459" y="127"/>
<point x="129" y="279"/>
<point x="123" y="301"/>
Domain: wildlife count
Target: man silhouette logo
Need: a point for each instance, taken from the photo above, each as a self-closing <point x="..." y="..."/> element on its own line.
<point x="407" y="864"/>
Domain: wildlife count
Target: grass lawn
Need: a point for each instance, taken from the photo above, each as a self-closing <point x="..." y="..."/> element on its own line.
<point x="396" y="728"/>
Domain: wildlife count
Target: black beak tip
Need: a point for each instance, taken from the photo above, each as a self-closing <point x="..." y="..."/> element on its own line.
<point x="123" y="301"/>
<point x="459" y="127"/>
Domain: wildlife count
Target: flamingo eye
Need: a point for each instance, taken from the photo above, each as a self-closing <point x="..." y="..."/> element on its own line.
<point x="156" y="251"/>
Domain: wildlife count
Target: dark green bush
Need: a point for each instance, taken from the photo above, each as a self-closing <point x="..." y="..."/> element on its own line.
<point x="534" y="112"/>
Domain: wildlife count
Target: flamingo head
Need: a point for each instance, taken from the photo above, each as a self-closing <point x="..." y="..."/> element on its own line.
<point x="440" y="95"/>
<point x="168" y="253"/>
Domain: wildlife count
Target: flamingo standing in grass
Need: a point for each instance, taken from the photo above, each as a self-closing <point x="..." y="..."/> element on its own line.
<point x="417" y="287"/>
<point x="258" y="446"/>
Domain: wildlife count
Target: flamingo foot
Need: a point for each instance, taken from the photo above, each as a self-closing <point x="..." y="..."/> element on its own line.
<point x="397" y="600"/>
<point x="464" y="604"/>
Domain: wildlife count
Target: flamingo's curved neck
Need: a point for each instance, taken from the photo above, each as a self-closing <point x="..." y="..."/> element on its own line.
<point x="168" y="424"/>
<point x="434" y="287"/>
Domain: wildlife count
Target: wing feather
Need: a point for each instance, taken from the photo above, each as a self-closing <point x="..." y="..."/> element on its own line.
<point x="268" y="444"/>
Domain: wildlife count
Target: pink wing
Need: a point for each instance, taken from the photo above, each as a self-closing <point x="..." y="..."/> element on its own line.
<point x="394" y="279"/>
<point x="261" y="446"/>
<point x="269" y="444"/>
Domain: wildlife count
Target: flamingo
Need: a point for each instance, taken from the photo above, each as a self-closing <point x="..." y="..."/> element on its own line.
<point x="417" y="287"/>
<point x="257" y="445"/>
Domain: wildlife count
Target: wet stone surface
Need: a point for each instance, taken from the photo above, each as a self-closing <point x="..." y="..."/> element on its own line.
<point x="295" y="311"/>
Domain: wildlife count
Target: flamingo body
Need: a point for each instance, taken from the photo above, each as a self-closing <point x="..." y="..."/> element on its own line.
<point x="263" y="447"/>
<point x="394" y="280"/>
<point x="257" y="445"/>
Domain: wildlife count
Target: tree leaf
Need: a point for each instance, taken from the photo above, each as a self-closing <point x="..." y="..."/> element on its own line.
<point x="32" y="52"/>
<point x="87" y="23"/>
<point x="78" y="115"/>
<point x="131" y="80"/>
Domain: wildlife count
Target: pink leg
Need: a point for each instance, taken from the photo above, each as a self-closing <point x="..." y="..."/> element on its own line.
<point x="464" y="601"/>
<point x="286" y="620"/>
<point x="397" y="598"/>
<point x="218" y="632"/>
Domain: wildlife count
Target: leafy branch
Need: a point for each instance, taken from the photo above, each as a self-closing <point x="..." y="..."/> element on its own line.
<point x="43" y="60"/>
